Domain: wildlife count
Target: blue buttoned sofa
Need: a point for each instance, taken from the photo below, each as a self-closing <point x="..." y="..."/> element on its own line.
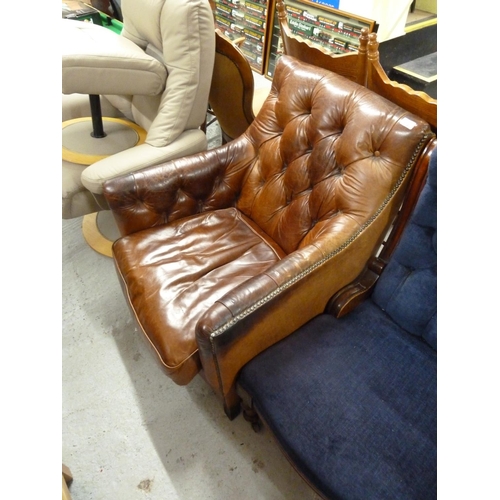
<point x="352" y="400"/>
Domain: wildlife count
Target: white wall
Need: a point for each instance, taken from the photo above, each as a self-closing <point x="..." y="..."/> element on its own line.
<point x="391" y="15"/>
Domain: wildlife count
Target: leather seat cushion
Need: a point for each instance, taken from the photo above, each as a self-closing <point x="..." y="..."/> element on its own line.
<point x="186" y="266"/>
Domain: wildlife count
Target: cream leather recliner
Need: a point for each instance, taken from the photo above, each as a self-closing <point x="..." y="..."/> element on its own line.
<point x="153" y="81"/>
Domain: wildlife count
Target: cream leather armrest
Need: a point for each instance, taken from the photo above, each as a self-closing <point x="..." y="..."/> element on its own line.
<point x="97" y="61"/>
<point x="139" y="157"/>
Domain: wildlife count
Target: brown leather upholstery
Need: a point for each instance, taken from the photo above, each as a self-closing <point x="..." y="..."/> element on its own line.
<point x="227" y="251"/>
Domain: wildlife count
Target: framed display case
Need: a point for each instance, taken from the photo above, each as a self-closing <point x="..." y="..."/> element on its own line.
<point x="245" y="22"/>
<point x="336" y="31"/>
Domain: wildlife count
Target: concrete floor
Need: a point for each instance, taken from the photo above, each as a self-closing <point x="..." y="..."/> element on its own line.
<point x="128" y="432"/>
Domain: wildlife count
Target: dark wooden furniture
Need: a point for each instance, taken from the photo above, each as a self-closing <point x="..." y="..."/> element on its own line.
<point x="351" y="66"/>
<point x="232" y="89"/>
<point x="111" y="8"/>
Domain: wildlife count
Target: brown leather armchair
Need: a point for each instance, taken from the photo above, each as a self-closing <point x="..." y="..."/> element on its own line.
<point x="228" y="251"/>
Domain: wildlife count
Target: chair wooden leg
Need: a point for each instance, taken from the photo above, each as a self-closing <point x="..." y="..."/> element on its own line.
<point x="250" y="415"/>
<point x="67" y="478"/>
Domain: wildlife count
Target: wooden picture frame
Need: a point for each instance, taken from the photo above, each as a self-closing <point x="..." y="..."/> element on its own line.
<point x="335" y="31"/>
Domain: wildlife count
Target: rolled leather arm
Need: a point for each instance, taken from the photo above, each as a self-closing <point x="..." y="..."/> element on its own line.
<point x="269" y="307"/>
<point x="179" y="188"/>
<point x="140" y="157"/>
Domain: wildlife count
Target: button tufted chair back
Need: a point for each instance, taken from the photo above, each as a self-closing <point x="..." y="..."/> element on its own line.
<point x="225" y="252"/>
<point x="326" y="152"/>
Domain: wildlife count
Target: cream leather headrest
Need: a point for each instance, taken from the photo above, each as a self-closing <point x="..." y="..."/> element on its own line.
<point x="95" y="60"/>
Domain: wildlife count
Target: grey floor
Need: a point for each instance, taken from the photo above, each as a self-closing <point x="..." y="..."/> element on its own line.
<point x="128" y="432"/>
<point x="419" y="16"/>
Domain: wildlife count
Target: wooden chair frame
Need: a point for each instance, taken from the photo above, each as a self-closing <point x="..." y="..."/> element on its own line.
<point x="365" y="69"/>
<point x="232" y="74"/>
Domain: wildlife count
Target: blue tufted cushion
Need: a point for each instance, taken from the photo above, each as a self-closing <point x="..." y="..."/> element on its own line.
<point x="352" y="401"/>
<point x="407" y="289"/>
